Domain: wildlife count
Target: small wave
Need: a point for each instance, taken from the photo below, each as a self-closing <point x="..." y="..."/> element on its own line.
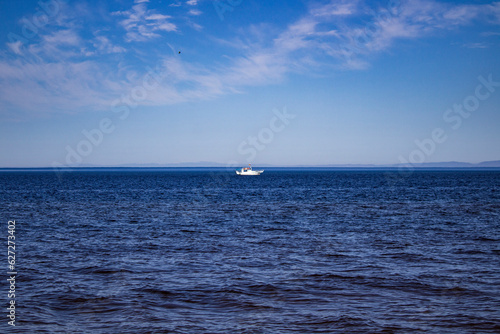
<point x="100" y="270"/>
<point x="486" y="239"/>
<point x="163" y="293"/>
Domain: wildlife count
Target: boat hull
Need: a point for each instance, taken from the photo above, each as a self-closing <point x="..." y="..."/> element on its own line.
<point x="251" y="172"/>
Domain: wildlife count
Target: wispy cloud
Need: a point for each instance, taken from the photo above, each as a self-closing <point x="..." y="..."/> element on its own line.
<point x="490" y="33"/>
<point x="15" y="47"/>
<point x="55" y="87"/>
<point x="195" y="12"/>
<point x="385" y="26"/>
<point x="335" y="8"/>
<point x="59" y="74"/>
<point x="62" y="37"/>
<point x="315" y="41"/>
<point x="477" y="45"/>
<point x="104" y="45"/>
<point x="143" y="24"/>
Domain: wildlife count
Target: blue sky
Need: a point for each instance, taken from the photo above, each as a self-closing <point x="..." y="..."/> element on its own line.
<point x="267" y="82"/>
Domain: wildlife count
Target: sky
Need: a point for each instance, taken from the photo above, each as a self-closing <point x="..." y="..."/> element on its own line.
<point x="293" y="82"/>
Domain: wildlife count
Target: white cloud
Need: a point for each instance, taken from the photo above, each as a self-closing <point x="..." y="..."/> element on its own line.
<point x="357" y="40"/>
<point x="61" y="37"/>
<point x="192" y="2"/>
<point x="104" y="45"/>
<point x="195" y="26"/>
<point x="57" y="45"/>
<point x="490" y="33"/>
<point x="55" y="78"/>
<point x="157" y="17"/>
<point x="15" y="47"/>
<point x="332" y="36"/>
<point x="494" y="11"/>
<point x="142" y="24"/>
<point x="335" y="8"/>
<point x="195" y="12"/>
<point x="476" y="45"/>
<point x="52" y="87"/>
<point x="167" y="26"/>
<point x="461" y="14"/>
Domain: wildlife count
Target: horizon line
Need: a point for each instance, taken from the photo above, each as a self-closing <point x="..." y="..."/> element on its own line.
<point x="207" y="164"/>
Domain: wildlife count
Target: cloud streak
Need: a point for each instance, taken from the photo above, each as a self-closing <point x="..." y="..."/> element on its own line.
<point x="143" y="24"/>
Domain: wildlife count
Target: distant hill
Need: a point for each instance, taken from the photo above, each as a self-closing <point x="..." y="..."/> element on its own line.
<point x="174" y="165"/>
<point x="447" y="164"/>
<point x="456" y="164"/>
<point x="495" y="163"/>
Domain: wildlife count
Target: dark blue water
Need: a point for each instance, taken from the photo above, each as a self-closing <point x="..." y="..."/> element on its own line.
<point x="290" y="251"/>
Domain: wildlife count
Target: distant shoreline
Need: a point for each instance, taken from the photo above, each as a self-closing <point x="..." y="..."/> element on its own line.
<point x="220" y="168"/>
<point x="210" y="164"/>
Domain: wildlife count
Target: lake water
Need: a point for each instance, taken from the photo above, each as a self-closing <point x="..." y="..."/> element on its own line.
<point x="290" y="251"/>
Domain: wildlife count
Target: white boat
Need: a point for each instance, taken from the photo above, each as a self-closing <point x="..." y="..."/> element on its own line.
<point x="249" y="171"/>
